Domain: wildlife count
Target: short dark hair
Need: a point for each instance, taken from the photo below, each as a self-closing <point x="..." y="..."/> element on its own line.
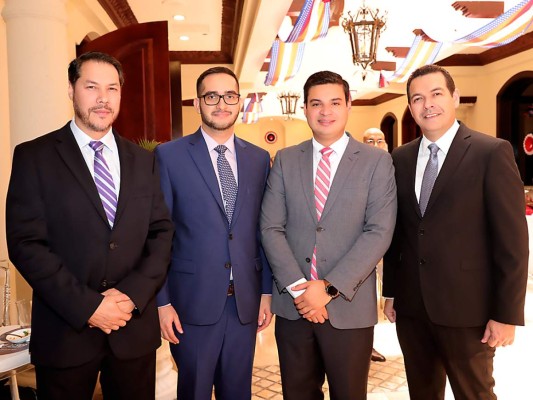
<point x="430" y="69"/>
<point x="211" y="71"/>
<point x="323" y="78"/>
<point x="74" y="67"/>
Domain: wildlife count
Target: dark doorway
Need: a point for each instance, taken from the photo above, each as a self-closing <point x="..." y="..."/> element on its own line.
<point x="514" y="119"/>
<point x="410" y="130"/>
<point x="389" y="127"/>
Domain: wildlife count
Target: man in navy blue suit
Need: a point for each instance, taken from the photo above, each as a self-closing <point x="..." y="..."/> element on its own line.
<point x="217" y="293"/>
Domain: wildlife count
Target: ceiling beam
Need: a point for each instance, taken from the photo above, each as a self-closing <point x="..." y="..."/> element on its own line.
<point x="119" y="11"/>
<point x="480" y="9"/>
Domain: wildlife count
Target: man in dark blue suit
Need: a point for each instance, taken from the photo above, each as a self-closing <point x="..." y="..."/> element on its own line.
<point x="217" y="293"/>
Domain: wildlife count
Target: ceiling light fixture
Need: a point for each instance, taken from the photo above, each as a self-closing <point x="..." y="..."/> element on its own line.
<point x="184" y="37"/>
<point x="179" y="17"/>
<point x="364" y="30"/>
<point x="288" y="101"/>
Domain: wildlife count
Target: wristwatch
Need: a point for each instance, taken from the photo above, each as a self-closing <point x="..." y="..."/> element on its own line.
<point x="331" y="290"/>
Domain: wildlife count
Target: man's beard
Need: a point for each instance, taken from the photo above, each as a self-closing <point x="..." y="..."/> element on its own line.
<point x="85" y="118"/>
<point x="214" y="125"/>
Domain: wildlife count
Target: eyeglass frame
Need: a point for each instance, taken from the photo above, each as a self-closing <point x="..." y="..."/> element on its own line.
<point x="221" y="96"/>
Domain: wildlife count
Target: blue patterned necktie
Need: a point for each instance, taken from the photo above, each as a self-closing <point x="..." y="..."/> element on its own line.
<point x="104" y="182"/>
<point x="227" y="181"/>
<point x="430" y="175"/>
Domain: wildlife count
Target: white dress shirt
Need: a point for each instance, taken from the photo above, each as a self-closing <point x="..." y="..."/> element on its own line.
<point x="230" y="156"/>
<point x="444" y="143"/>
<point x="110" y="152"/>
<point x="339" y="147"/>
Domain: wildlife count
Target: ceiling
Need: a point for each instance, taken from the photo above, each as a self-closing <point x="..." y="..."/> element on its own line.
<point x="239" y="33"/>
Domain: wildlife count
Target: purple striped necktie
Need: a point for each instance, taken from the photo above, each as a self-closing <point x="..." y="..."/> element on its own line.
<point x="104" y="182"/>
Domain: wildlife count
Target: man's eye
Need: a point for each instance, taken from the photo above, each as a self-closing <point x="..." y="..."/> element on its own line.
<point x="230" y="96"/>
<point x="212" y="96"/>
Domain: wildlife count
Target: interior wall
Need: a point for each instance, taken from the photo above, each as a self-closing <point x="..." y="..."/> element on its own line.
<point x="5" y="145"/>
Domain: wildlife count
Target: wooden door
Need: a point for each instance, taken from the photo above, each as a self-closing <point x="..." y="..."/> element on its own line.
<point x="146" y="99"/>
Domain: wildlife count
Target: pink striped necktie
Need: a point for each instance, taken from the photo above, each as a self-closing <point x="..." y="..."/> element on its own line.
<point x="322" y="185"/>
<point x="104" y="182"/>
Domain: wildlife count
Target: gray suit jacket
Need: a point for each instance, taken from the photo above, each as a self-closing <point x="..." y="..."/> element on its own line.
<point x="353" y="234"/>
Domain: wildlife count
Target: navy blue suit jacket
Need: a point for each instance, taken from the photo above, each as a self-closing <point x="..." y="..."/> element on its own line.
<point x="204" y="245"/>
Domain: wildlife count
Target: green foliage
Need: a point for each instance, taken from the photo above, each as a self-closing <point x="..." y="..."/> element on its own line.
<point x="148" y="144"/>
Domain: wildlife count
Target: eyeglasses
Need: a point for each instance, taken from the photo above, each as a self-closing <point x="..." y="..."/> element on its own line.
<point x="212" y="99"/>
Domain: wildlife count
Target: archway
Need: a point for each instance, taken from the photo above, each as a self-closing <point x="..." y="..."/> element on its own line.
<point x="514" y="119"/>
<point x="389" y="126"/>
<point x="410" y="130"/>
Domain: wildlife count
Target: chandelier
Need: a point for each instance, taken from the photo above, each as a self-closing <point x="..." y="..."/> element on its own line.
<point x="364" y="30"/>
<point x="288" y="101"/>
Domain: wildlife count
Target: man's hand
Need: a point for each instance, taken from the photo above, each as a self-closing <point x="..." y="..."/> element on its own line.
<point x="498" y="334"/>
<point x="108" y="316"/>
<point x="389" y="311"/>
<point x="318" y="316"/>
<point x="168" y="318"/>
<point x="125" y="305"/>
<point x="265" y="314"/>
<point x="312" y="302"/>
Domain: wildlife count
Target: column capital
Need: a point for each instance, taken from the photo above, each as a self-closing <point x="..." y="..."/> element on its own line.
<point x="40" y="9"/>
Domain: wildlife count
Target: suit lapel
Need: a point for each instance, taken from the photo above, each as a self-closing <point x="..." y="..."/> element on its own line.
<point x="346" y="164"/>
<point x="456" y="153"/>
<point x="243" y="168"/>
<point x="127" y="175"/>
<point x="70" y="153"/>
<point x="410" y="164"/>
<point x="306" y="176"/>
<point x="200" y="155"/>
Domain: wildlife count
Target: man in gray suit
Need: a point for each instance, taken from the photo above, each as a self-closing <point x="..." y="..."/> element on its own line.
<point x="327" y="218"/>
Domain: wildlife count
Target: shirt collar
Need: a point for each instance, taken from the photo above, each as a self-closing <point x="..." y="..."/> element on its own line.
<point x="444" y="142"/>
<point x="211" y="143"/>
<point x="83" y="139"/>
<point x="338" y="147"/>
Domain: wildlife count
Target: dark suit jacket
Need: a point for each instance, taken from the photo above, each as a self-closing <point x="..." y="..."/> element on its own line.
<point x="204" y="246"/>
<point x="465" y="261"/>
<point x="59" y="239"/>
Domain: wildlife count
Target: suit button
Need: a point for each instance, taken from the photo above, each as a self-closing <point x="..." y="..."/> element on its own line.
<point x="113" y="245"/>
<point x="103" y="283"/>
<point x="421" y="231"/>
<point x="307" y="260"/>
<point x="422" y="261"/>
<point x="227" y="265"/>
<point x="320" y="229"/>
<point x="230" y="236"/>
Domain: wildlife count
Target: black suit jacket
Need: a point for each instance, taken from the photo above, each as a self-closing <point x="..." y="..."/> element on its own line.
<point x="59" y="239"/>
<point x="465" y="261"/>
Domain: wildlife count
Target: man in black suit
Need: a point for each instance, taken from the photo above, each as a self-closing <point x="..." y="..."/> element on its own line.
<point x="456" y="271"/>
<point x="88" y="228"/>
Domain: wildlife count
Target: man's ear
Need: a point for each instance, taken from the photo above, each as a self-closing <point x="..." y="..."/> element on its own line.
<point x="196" y="103"/>
<point x="70" y="91"/>
<point x="456" y="97"/>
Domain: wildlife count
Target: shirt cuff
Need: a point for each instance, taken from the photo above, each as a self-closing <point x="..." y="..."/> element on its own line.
<point x="296" y="293"/>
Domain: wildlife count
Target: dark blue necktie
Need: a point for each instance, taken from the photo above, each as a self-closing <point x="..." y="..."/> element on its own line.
<point x="227" y="181"/>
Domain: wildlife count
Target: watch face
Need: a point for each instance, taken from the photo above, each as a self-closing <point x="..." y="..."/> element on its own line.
<point x="332" y="291"/>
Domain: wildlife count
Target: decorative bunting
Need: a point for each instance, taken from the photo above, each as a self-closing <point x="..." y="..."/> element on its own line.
<point x="422" y="52"/>
<point x="503" y="29"/>
<point x="312" y="23"/>
<point x="500" y="31"/>
<point x="285" y="61"/>
<point x="252" y="110"/>
<point x="286" y="57"/>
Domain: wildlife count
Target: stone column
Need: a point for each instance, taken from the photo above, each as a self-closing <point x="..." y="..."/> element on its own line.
<point x="38" y="56"/>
